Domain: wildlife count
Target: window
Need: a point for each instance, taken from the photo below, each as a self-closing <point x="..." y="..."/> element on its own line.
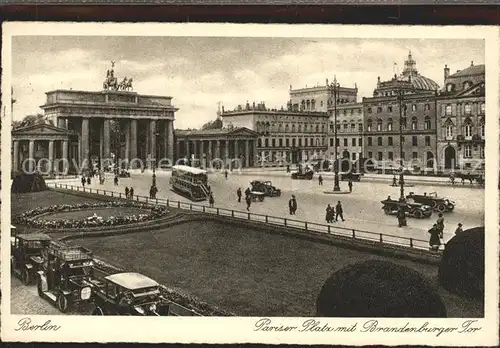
<point x="322" y="128"/>
<point x="389" y="108"/>
<point x="481" y="107"/>
<point x="259" y="143"/>
<point x="427" y="140"/>
<point x="481" y="151"/>
<point x="337" y="143"/>
<point x="369" y="110"/>
<point x="379" y="125"/>
<point x="427" y="123"/>
<point x="414" y="140"/>
<point x="346" y="127"/>
<point x="360" y="127"/>
<point x="293" y="142"/>
<point x="427" y="107"/>
<point x="353" y="141"/>
<point x="414" y="155"/>
<point x="311" y="142"/>
<point x="318" y="143"/>
<point x="317" y="128"/>
<point x="403" y="140"/>
<point x="403" y="123"/>
<point x="370" y="154"/>
<point x="331" y="141"/>
<point x="280" y="142"/>
<point x="300" y="141"/>
<point x="353" y="156"/>
<point x="449" y="87"/>
<point x="467" y="109"/>
<point x="414" y="123"/>
<point x="321" y="103"/>
<point x="266" y="142"/>
<point x="369" y="125"/>
<point x="331" y="126"/>
<point x="293" y="128"/>
<point x="287" y="128"/>
<point x="448" y="110"/>
<point x="379" y="141"/>
<point x="414" y="107"/>
<point x="389" y="141"/>
<point x="305" y="141"/>
<point x="345" y="142"/>
<point x="273" y="143"/>
<point x="369" y="141"/>
<point x="468" y="130"/>
<point x="300" y="128"/>
<point x="390" y="155"/>
<point x="379" y="110"/>
<point x="379" y="156"/>
<point x="449" y="131"/>
<point x="360" y="142"/>
<point x="467" y="151"/>
<point x="353" y="127"/>
<point x="389" y="124"/>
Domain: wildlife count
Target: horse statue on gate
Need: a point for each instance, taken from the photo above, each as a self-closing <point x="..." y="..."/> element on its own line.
<point x="125" y="85"/>
<point x="111" y="82"/>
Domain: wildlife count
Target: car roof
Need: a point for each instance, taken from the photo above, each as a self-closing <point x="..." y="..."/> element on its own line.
<point x="34" y="236"/>
<point x="131" y="280"/>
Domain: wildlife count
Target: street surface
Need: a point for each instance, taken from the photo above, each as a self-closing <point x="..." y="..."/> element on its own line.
<point x="362" y="208"/>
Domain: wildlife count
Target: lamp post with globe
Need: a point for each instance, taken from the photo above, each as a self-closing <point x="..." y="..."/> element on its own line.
<point x="402" y="199"/>
<point x="336" y="85"/>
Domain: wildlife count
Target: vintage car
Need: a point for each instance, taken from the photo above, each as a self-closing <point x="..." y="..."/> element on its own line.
<point x="124" y="174"/>
<point x="132" y="294"/>
<point x="265" y="187"/>
<point x="67" y="276"/>
<point x="303" y="173"/>
<point x="439" y="204"/>
<point x="350" y="176"/>
<point x="26" y="255"/>
<point x="412" y="208"/>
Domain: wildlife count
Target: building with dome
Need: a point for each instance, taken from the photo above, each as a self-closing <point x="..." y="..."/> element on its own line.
<point x="382" y="120"/>
<point x="461" y="119"/>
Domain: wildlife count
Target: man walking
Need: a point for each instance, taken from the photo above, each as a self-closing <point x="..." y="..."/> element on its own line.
<point x="292" y="205"/>
<point x="339" y="212"/>
<point x="238" y="193"/>
<point x="248" y="200"/>
<point x="350" y="185"/>
<point x="211" y="200"/>
<point x="225" y="174"/>
<point x="131" y="193"/>
<point x="83" y="181"/>
<point x="320" y="180"/>
<point x="440" y="224"/>
<point x="247" y="192"/>
<point x="126" y="192"/>
<point x="459" y="229"/>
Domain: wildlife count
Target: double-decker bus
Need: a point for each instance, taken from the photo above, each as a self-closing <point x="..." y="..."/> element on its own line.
<point x="190" y="182"/>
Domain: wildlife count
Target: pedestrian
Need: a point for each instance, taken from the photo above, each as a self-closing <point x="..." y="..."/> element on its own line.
<point x="459" y="229"/>
<point x="131" y="193"/>
<point x="350" y="185"/>
<point x="247" y="192"/>
<point x="83" y="181"/>
<point x="88" y="180"/>
<point x="225" y="174"/>
<point x="320" y="180"/>
<point x="248" y="199"/>
<point x="116" y="180"/>
<point x="211" y="200"/>
<point x="339" y="211"/>
<point x="434" y="240"/>
<point x="288" y="168"/>
<point x="238" y="193"/>
<point x="401" y="215"/>
<point x="332" y="212"/>
<point x="394" y="181"/>
<point x="293" y="205"/>
<point x="126" y="192"/>
<point x="328" y="216"/>
<point x="440" y="224"/>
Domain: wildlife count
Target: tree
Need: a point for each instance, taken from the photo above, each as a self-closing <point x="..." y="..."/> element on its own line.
<point x="217" y="124"/>
<point x="31" y="120"/>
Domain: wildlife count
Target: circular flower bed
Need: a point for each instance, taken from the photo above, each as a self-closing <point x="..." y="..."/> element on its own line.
<point x="32" y="217"/>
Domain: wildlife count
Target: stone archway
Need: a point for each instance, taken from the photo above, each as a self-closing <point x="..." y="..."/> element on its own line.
<point x="450" y="157"/>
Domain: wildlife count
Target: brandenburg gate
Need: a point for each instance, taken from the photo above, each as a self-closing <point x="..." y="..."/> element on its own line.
<point x="144" y="124"/>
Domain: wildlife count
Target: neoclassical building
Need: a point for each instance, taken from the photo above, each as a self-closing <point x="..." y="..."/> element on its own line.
<point x="349" y="131"/>
<point x="461" y="107"/>
<point x="382" y="122"/>
<point x="319" y="98"/>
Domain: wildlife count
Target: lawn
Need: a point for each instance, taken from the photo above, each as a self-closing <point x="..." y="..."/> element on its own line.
<point x="247" y="271"/>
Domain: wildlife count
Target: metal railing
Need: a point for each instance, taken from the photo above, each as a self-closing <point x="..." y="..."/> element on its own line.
<point x="307" y="226"/>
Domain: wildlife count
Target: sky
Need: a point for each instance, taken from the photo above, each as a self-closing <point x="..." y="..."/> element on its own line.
<point x="199" y="72"/>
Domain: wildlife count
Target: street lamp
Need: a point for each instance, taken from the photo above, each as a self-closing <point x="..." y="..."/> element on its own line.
<point x="402" y="199"/>
<point x="336" y="186"/>
<point x="153" y="161"/>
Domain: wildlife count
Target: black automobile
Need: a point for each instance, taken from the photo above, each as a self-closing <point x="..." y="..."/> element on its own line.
<point x="26" y="255"/>
<point x="412" y="209"/>
<point x="437" y="203"/>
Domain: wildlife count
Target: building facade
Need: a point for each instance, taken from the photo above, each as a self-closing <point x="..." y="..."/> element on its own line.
<point x="285" y="136"/>
<point x="461" y="122"/>
<point x="413" y="112"/>
<point x="349" y="131"/>
<point x="319" y="98"/>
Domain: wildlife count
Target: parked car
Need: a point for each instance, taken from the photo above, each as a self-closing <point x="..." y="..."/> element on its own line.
<point x="130" y="294"/>
<point x="26" y="255"/>
<point x="303" y="173"/>
<point x="412" y="209"/>
<point x="124" y="174"/>
<point x="67" y="276"/>
<point x="265" y="187"/>
<point x="437" y="203"/>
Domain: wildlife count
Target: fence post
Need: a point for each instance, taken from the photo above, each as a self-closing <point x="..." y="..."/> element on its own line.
<point x="305" y="225"/>
<point x="232" y="213"/>
<point x="353" y="233"/>
<point x="156" y="201"/>
<point x="190" y="207"/>
<point x="179" y="204"/>
<point x="381" y="239"/>
<point x="266" y="219"/>
<point x="112" y="194"/>
<point x="411" y="242"/>
<point x="217" y="211"/>
<point x="104" y="191"/>
<point x="329" y="229"/>
<point x="120" y="195"/>
<point x="168" y="203"/>
<point x="203" y="208"/>
<point x="248" y="216"/>
<point x="284" y="221"/>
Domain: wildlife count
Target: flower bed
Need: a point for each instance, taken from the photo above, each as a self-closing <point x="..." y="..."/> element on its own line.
<point x="32" y="218"/>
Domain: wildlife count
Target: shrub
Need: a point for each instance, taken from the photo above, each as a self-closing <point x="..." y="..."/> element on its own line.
<point x="24" y="183"/>
<point x="378" y="289"/>
<point x="462" y="265"/>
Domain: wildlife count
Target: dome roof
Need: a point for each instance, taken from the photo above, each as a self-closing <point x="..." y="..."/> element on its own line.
<point x="421" y="82"/>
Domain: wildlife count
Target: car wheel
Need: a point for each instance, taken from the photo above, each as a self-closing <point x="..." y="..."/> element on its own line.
<point x="441" y="208"/>
<point x="97" y="311"/>
<point x="62" y="303"/>
<point x="26" y="277"/>
<point x="433" y="204"/>
<point x="261" y="198"/>
<point x="387" y="210"/>
<point x="417" y="214"/>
